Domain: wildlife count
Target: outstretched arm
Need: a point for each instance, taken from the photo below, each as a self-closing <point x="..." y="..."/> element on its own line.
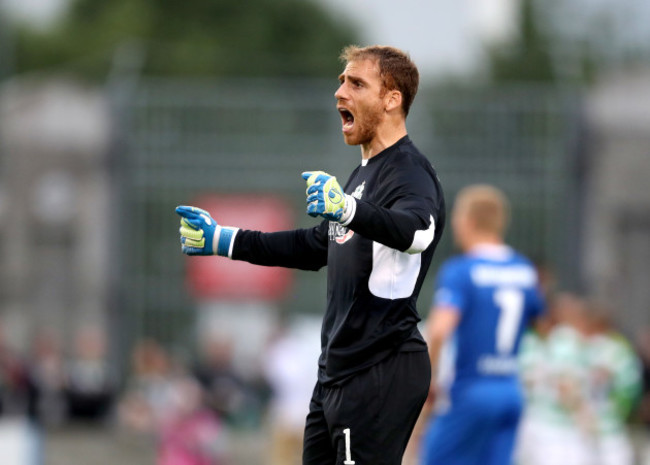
<point x="301" y="248"/>
<point x="304" y="249"/>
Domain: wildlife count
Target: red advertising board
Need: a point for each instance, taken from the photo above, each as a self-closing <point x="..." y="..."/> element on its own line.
<point x="222" y="278"/>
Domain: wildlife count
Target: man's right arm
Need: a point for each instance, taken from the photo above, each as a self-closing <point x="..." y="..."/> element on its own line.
<point x="304" y="249"/>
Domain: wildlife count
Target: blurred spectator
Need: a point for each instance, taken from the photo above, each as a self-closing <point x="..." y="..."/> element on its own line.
<point x="536" y="379"/>
<point x="582" y="379"/>
<point x="162" y="400"/>
<point x="289" y="369"/>
<point x="555" y="424"/>
<point x="90" y="385"/>
<point x="614" y="381"/>
<point x="147" y="395"/>
<point x="547" y="279"/>
<point x="14" y="382"/>
<point x="191" y="434"/>
<point x="30" y="397"/>
<point x="643" y="347"/>
<point x="226" y="391"/>
<point x="46" y="368"/>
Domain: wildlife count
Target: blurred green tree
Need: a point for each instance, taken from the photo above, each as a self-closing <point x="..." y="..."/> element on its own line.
<point x="202" y="37"/>
<point x="528" y="57"/>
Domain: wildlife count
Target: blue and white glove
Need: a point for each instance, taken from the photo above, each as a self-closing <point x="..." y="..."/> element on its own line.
<point x="326" y="198"/>
<point x="201" y="235"/>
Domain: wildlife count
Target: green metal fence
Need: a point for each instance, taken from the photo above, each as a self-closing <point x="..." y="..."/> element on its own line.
<point x="239" y="136"/>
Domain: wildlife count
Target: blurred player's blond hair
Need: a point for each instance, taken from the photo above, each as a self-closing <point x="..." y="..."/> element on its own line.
<point x="486" y="206"/>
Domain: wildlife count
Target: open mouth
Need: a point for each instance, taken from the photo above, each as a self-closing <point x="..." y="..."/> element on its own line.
<point x="347" y="118"/>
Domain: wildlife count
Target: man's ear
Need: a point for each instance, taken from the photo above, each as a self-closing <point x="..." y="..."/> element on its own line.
<point x="393" y="100"/>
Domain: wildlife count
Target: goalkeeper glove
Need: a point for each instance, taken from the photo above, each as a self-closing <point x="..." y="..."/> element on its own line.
<point x="201" y="235"/>
<point x="326" y="198"/>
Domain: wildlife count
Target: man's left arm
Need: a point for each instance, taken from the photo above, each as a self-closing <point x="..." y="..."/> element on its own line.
<point x="449" y="302"/>
<point x="408" y="225"/>
<point x="440" y="325"/>
<point x="409" y="222"/>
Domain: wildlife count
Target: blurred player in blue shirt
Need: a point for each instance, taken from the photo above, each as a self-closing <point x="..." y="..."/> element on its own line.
<point x="484" y="301"/>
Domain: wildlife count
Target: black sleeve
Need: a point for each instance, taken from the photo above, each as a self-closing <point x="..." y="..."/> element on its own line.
<point x="412" y="198"/>
<point x="305" y="249"/>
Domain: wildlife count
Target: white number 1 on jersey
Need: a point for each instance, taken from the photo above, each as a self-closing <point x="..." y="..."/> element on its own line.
<point x="348" y="452"/>
<point x="511" y="305"/>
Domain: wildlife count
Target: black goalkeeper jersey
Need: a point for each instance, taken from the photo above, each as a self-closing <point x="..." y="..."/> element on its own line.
<point x="376" y="264"/>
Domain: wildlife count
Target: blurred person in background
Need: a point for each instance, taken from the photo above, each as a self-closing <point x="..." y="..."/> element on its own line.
<point x="17" y="393"/>
<point x="557" y="421"/>
<point x="191" y="433"/>
<point x="548" y="286"/>
<point x="146" y="397"/>
<point x="377" y="238"/>
<point x="46" y="373"/>
<point x="90" y="384"/>
<point x="484" y="301"/>
<point x="536" y="378"/>
<point x="614" y="385"/>
<point x="22" y="412"/>
<point x="643" y="349"/>
<point x="289" y="370"/>
<point x="166" y="403"/>
<point x="226" y="391"/>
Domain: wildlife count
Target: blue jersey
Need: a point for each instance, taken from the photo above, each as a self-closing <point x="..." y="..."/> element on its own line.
<point x="495" y="289"/>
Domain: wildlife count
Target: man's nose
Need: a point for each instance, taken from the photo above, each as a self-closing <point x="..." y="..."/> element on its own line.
<point x="340" y="92"/>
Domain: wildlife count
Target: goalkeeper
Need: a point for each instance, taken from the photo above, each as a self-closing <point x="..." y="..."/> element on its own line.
<point x="377" y="236"/>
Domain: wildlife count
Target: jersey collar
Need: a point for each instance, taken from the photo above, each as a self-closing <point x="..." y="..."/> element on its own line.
<point x="493" y="251"/>
<point x="387" y="150"/>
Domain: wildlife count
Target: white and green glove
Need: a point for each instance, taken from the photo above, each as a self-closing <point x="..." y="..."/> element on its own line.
<point x="201" y="235"/>
<point x="326" y="198"/>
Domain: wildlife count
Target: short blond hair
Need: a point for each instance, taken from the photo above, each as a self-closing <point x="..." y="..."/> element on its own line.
<point x="486" y="206"/>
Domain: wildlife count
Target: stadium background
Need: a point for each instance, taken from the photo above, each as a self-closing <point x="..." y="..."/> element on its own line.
<point x="101" y="137"/>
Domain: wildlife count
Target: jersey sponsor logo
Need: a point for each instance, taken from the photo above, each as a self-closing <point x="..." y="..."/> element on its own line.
<point x="358" y="192"/>
<point x="339" y="233"/>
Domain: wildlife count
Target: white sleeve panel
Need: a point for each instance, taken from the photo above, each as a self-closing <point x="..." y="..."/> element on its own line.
<point x="422" y="239"/>
<point x="394" y="273"/>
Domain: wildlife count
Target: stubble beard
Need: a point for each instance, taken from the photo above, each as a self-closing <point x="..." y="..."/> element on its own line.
<point x="366" y="127"/>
